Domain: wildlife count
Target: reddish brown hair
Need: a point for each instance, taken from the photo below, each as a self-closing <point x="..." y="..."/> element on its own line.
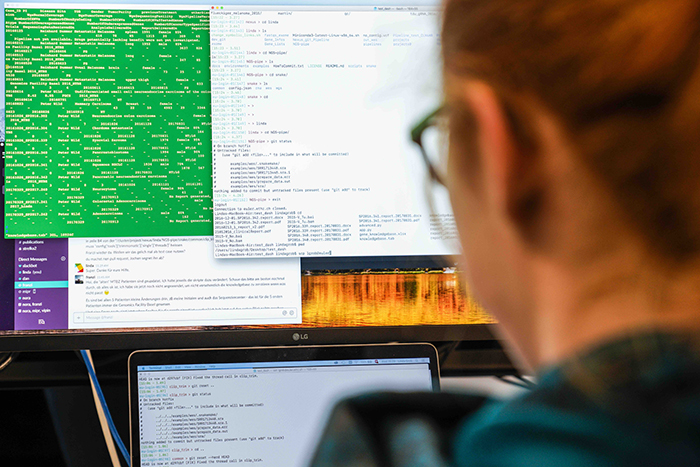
<point x="623" y="79"/>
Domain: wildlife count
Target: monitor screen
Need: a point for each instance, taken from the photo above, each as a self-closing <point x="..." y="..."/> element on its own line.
<point x="185" y="169"/>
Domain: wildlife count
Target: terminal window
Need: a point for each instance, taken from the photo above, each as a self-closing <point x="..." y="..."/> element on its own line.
<point x="311" y="110"/>
<point x="108" y="123"/>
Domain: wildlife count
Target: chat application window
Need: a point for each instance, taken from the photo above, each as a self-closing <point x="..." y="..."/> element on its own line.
<point x="109" y="144"/>
<point x="176" y="281"/>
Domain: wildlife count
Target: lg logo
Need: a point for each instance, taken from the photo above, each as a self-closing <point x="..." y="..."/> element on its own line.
<point x="300" y="337"/>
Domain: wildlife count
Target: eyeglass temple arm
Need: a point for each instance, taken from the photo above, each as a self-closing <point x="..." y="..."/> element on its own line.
<point x="418" y="130"/>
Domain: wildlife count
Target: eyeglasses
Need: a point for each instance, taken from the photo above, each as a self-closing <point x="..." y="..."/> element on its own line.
<point x="431" y="136"/>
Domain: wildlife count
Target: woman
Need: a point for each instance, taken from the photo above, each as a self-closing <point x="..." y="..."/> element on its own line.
<point x="574" y="174"/>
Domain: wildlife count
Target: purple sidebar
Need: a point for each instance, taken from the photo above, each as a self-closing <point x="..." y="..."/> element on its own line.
<point x="41" y="284"/>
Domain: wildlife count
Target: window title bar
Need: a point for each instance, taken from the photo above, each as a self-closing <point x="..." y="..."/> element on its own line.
<point x="367" y="5"/>
<point x="254" y="365"/>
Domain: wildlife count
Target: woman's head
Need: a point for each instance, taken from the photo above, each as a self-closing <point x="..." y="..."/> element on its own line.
<point x="598" y="105"/>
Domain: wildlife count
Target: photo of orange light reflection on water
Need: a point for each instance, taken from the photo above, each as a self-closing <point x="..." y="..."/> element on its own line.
<point x="393" y="299"/>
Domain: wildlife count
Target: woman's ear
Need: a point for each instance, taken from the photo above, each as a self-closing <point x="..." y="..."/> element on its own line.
<point x="511" y="176"/>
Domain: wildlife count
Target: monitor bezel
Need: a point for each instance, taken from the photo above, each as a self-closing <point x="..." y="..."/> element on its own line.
<point x="158" y="339"/>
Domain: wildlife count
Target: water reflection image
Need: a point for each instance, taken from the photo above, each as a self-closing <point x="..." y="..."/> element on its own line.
<point x="387" y="299"/>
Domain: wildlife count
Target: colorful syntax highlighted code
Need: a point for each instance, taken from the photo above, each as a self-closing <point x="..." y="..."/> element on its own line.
<point x="108" y="123"/>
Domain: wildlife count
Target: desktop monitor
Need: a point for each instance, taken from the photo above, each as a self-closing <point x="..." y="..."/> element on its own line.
<point x="182" y="174"/>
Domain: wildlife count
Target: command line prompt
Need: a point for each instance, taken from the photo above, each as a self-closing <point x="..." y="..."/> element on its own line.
<point x="108" y="123"/>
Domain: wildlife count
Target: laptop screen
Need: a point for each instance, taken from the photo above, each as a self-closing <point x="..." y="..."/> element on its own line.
<point x="264" y="413"/>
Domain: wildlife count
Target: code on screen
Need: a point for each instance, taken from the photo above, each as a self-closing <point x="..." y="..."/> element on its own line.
<point x="108" y="123"/>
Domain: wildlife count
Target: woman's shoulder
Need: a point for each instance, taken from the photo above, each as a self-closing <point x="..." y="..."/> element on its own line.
<point x="633" y="401"/>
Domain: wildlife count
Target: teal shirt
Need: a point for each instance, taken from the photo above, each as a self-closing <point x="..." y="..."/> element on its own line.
<point x="632" y="402"/>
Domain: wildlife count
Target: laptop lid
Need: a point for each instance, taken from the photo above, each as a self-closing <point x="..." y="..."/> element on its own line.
<point x="262" y="406"/>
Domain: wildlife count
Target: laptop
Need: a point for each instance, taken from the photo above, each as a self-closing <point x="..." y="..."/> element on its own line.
<point x="257" y="406"/>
